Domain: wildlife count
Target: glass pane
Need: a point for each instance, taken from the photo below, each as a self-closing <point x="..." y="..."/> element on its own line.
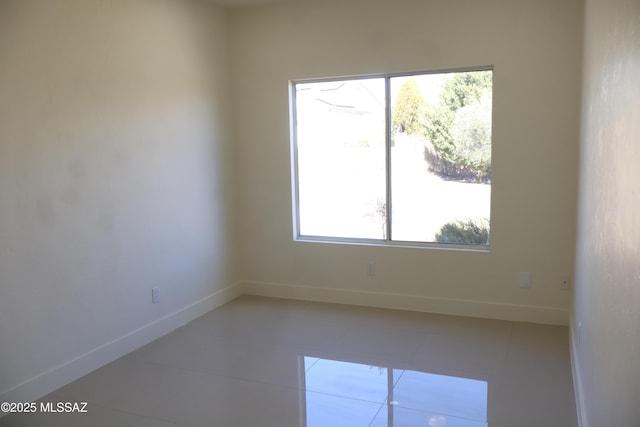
<point x="341" y="158"/>
<point x="441" y="157"/>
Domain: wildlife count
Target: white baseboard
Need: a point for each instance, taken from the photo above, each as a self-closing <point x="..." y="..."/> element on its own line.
<point x="484" y="309"/>
<point x="44" y="383"/>
<point x="577" y="378"/>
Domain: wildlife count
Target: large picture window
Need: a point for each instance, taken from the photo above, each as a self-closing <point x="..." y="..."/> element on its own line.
<point x="393" y="159"/>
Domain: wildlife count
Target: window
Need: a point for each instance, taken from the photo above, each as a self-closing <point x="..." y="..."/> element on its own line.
<point x="393" y="159"/>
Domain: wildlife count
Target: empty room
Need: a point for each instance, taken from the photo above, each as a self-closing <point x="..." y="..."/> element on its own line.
<point x="316" y="213"/>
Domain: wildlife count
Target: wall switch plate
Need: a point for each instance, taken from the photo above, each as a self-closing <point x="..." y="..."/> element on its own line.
<point x="155" y="295"/>
<point x="579" y="332"/>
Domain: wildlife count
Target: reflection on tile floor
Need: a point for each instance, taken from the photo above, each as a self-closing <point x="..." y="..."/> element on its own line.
<point x="268" y="362"/>
<point x="383" y="396"/>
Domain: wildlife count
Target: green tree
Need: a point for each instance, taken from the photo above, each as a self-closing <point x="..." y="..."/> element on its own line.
<point x="459" y="128"/>
<point x="439" y="122"/>
<point x="472" y="135"/>
<point x="465" y="88"/>
<point x="408" y="112"/>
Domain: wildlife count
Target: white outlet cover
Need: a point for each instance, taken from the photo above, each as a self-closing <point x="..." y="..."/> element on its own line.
<point x="525" y="280"/>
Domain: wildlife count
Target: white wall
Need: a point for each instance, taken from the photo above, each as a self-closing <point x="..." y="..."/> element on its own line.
<point x="607" y="295"/>
<point x="535" y="47"/>
<point x="118" y="172"/>
<point x="115" y="172"/>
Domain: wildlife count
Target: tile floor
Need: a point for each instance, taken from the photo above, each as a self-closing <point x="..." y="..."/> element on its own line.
<point x="268" y="362"/>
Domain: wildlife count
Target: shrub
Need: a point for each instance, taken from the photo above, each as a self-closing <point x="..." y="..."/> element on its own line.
<point x="459" y="128"/>
<point x="449" y="170"/>
<point x="439" y="122"/>
<point x="472" y="135"/>
<point x="464" y="232"/>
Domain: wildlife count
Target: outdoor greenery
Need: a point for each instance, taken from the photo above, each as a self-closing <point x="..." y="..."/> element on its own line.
<point x="462" y="89"/>
<point x="458" y="127"/>
<point x="466" y="232"/>
<point x="472" y="137"/>
<point x="408" y="114"/>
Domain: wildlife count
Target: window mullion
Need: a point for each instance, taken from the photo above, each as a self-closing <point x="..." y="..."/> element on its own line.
<point x="389" y="130"/>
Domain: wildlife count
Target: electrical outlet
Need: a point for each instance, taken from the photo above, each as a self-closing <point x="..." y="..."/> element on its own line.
<point x="371" y="268"/>
<point x="565" y="282"/>
<point x="525" y="280"/>
<point x="155" y="295"/>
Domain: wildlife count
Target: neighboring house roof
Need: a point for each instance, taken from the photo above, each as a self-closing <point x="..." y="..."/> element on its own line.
<point x="351" y="96"/>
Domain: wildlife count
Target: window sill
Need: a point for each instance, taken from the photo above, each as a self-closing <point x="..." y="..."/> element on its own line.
<point x="394" y="244"/>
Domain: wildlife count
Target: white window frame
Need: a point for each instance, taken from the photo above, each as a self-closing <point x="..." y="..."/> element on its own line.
<point x="388" y="242"/>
